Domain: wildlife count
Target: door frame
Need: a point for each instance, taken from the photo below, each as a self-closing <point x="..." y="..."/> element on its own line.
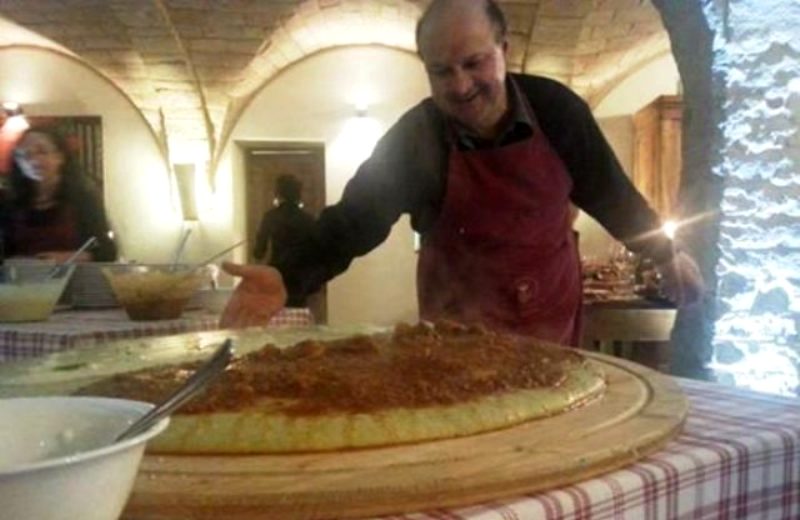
<point x="318" y="301"/>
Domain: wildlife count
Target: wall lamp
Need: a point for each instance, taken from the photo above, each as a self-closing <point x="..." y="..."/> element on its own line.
<point x="14" y="117"/>
<point x="361" y="109"/>
<point x="186" y="180"/>
<point x="12" y="108"/>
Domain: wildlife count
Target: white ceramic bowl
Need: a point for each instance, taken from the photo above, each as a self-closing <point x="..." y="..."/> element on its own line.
<point x="59" y="461"/>
<point x="213" y="300"/>
<point x="27" y="293"/>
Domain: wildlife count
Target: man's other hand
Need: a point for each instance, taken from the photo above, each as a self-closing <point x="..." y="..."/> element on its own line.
<point x="257" y="298"/>
<point x="682" y="281"/>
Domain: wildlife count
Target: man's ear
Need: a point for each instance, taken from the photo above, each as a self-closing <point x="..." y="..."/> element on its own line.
<point x="505" y="46"/>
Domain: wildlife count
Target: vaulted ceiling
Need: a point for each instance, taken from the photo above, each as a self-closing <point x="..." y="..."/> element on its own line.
<point x="192" y="66"/>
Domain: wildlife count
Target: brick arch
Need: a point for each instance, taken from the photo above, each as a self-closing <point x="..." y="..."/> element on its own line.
<point x="315" y="28"/>
<point x="139" y="106"/>
<point x="611" y="71"/>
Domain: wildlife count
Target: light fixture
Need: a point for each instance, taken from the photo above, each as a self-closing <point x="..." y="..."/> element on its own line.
<point x="15" y="121"/>
<point x="669" y="228"/>
<point x="361" y="109"/>
<point x="12" y="108"/>
<point x="185" y="178"/>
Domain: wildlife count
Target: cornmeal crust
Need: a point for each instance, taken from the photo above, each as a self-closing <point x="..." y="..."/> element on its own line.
<point x="417" y="383"/>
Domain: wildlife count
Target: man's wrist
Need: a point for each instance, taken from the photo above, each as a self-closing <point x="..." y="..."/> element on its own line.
<point x="664" y="253"/>
<point x="666" y="260"/>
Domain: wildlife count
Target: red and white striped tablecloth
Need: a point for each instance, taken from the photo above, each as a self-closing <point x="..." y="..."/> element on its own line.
<point x="70" y="329"/>
<point x="738" y="457"/>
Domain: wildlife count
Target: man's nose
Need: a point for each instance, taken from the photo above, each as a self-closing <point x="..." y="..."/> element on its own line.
<point x="460" y="83"/>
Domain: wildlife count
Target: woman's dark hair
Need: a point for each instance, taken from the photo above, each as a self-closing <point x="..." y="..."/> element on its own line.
<point x="74" y="191"/>
<point x="493" y="13"/>
<point x="23" y="188"/>
<point x="288" y="188"/>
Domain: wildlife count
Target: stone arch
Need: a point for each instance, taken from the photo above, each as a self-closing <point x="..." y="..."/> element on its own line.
<point x="598" y="76"/>
<point x="692" y="48"/>
<point x="315" y="28"/>
<point x="741" y="160"/>
<point x="597" y="96"/>
<point x="44" y="47"/>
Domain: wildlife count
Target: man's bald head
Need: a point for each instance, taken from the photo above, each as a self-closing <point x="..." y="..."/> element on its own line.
<point x="439" y="11"/>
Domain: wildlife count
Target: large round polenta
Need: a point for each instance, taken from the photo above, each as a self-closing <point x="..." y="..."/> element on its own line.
<point x="418" y="383"/>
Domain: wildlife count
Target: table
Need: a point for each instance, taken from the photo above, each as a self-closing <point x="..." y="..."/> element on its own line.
<point x="738" y="457"/>
<point x="633" y="329"/>
<point x="68" y="329"/>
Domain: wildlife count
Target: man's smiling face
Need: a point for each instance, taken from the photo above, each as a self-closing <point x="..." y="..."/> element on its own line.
<point x="466" y="68"/>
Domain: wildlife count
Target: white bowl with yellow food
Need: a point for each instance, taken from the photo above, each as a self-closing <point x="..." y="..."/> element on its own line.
<point x="30" y="293"/>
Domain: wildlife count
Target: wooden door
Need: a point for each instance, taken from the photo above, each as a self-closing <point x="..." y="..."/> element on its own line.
<point x="264" y="163"/>
<point x="657" y="153"/>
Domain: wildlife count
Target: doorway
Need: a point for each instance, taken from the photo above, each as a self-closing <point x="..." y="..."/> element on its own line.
<point x="264" y="163"/>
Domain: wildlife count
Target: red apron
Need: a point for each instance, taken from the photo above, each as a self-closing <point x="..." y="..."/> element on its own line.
<point x="502" y="251"/>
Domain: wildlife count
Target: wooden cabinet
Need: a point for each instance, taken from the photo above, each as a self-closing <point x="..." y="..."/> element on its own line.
<point x="657" y="153"/>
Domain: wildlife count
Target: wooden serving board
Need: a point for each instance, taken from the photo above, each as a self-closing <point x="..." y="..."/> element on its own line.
<point x="639" y="413"/>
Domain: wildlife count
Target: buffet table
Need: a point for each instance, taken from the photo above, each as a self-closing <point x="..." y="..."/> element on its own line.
<point x="737" y="457"/>
<point x="632" y="320"/>
<point x="68" y="329"/>
<point x="636" y="328"/>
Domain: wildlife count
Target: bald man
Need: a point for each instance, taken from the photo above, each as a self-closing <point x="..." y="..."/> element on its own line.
<point x="487" y="168"/>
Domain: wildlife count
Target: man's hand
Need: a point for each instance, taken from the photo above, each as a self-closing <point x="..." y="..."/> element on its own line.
<point x="682" y="281"/>
<point x="258" y="297"/>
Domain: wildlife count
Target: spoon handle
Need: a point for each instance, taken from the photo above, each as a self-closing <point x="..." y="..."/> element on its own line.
<point x="215" y="256"/>
<point x="212" y="368"/>
<point x="57" y="268"/>
<point x="179" y="251"/>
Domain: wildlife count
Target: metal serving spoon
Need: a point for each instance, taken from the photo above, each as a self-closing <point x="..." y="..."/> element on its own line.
<point x="179" y="251"/>
<point x="217" y="256"/>
<point x="58" y="268"/>
<point x="208" y="371"/>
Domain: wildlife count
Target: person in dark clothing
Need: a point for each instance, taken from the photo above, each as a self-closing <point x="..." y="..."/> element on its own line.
<point x="283" y="230"/>
<point x="487" y="168"/>
<point x="50" y="211"/>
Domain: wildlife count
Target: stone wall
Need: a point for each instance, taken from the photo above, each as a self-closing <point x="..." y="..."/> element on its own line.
<point x="741" y="63"/>
<point x="756" y="341"/>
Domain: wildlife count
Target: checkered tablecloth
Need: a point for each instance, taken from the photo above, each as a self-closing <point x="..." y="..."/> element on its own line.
<point x="738" y="457"/>
<point x="71" y="329"/>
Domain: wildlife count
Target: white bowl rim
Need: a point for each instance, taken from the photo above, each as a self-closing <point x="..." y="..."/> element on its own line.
<point x="76" y="458"/>
<point x="65" y="273"/>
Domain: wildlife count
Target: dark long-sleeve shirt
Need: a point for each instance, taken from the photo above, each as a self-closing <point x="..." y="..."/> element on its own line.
<point x="87" y="217"/>
<point x="283" y="230"/>
<point x="407" y="173"/>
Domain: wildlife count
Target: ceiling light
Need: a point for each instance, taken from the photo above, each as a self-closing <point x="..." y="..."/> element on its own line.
<point x="12" y="108"/>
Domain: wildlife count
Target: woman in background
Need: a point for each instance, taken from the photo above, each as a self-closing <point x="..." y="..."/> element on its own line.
<point x="50" y="211"/>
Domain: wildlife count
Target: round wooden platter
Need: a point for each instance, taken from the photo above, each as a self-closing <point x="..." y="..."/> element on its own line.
<point x="639" y="413"/>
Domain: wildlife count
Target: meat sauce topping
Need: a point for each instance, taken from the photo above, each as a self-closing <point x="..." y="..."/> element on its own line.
<point x="415" y="366"/>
